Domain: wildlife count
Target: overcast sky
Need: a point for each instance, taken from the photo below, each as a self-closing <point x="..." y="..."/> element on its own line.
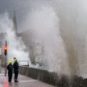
<point x="21" y="7"/>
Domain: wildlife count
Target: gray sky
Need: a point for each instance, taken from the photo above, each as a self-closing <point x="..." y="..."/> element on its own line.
<point x="21" y="7"/>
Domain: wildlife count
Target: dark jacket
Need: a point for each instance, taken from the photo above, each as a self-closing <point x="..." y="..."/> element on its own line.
<point x="16" y="66"/>
<point x="10" y="68"/>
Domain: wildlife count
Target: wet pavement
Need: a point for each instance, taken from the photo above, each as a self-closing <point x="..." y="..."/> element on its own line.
<point x="23" y="82"/>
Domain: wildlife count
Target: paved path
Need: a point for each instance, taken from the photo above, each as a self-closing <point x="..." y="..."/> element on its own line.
<point x="23" y="82"/>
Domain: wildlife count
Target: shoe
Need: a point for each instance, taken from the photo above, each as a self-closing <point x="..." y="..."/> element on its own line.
<point x="16" y="80"/>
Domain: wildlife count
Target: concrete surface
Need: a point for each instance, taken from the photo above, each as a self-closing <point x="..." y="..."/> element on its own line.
<point x="23" y="82"/>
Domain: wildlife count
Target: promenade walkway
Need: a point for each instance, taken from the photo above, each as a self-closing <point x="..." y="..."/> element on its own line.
<point x="23" y="82"/>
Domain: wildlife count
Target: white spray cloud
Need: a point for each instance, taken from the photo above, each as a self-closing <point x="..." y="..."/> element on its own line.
<point x="73" y="15"/>
<point x="16" y="46"/>
<point x="43" y="23"/>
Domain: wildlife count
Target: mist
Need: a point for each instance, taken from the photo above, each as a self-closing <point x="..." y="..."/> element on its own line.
<point x="42" y="33"/>
<point x="72" y="26"/>
<point x="73" y="29"/>
<point x="16" y="47"/>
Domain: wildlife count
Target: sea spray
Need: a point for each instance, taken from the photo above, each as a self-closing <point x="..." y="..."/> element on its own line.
<point x="16" y="47"/>
<point x="47" y="45"/>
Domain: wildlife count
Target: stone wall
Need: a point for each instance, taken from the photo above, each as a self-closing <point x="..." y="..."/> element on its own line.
<point x="52" y="78"/>
<point x="45" y="76"/>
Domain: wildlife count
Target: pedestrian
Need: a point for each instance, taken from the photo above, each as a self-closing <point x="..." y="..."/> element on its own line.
<point x="10" y="71"/>
<point x="16" y="69"/>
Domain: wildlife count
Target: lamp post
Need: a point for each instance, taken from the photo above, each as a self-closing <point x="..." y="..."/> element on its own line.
<point x="5" y="53"/>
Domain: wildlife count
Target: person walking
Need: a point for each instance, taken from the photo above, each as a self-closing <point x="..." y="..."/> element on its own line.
<point x="16" y="69"/>
<point x="10" y="71"/>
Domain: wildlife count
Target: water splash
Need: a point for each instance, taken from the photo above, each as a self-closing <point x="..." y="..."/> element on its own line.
<point x="42" y="26"/>
<point x="16" y="47"/>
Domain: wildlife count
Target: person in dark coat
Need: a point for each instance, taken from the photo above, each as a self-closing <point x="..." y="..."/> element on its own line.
<point x="16" y="69"/>
<point x="10" y="71"/>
